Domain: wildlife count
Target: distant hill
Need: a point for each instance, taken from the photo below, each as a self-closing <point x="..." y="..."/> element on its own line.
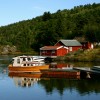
<point x="28" y="35"/>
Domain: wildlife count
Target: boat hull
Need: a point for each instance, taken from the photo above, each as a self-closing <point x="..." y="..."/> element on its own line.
<point x="27" y="69"/>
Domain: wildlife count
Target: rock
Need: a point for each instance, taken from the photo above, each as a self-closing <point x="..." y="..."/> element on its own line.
<point x="8" y="49"/>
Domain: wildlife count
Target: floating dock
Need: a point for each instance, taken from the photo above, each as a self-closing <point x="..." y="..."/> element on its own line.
<point x="93" y="72"/>
<point x="60" y="73"/>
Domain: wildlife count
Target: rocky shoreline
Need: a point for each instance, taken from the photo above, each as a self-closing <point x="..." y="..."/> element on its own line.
<point x="12" y="50"/>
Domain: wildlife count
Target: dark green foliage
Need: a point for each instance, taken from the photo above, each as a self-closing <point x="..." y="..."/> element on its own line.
<point x="92" y="32"/>
<point x="46" y="16"/>
<point x="49" y="28"/>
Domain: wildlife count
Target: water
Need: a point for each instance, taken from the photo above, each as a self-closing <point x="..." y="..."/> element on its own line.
<point x="35" y="88"/>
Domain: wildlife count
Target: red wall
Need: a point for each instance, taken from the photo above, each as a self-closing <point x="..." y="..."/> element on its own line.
<point x="48" y="53"/>
<point x="76" y="48"/>
<point x="62" y="52"/>
<point x="59" y="44"/>
<point x="86" y="45"/>
<point x="59" y="52"/>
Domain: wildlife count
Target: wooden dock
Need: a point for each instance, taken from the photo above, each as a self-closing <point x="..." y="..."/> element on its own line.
<point x="60" y="73"/>
<point x="96" y="68"/>
<point x="93" y="72"/>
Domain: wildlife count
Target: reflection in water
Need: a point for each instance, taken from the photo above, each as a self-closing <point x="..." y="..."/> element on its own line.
<point x="67" y="88"/>
<point x="24" y="81"/>
<point x="82" y="86"/>
<point x="73" y="64"/>
<point x="60" y="65"/>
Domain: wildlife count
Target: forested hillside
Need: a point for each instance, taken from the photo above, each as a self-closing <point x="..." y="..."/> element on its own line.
<point x="27" y="35"/>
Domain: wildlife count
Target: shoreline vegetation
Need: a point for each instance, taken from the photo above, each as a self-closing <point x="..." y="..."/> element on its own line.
<point x="90" y="55"/>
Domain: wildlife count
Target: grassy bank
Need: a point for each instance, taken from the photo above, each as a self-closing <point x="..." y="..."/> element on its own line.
<point x="82" y="55"/>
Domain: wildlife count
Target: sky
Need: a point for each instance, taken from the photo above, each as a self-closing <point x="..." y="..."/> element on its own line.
<point x="12" y="11"/>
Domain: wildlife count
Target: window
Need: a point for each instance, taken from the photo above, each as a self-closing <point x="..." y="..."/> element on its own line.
<point x="43" y="51"/>
<point x="70" y="48"/>
<point x="29" y="59"/>
<point x="18" y="61"/>
<point x="53" y="51"/>
<point x="24" y="59"/>
<point x="24" y="64"/>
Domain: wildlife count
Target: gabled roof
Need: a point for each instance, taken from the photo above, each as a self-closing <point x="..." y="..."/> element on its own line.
<point x="69" y="42"/>
<point x="50" y="47"/>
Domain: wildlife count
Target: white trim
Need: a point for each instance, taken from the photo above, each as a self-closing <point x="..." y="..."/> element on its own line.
<point x="66" y="47"/>
<point x="59" y="47"/>
<point x="62" y="47"/>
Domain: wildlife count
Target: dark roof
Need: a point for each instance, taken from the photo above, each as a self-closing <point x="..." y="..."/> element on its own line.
<point x="70" y="42"/>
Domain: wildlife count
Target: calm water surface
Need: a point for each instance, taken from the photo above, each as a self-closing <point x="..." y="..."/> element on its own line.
<point x="22" y="88"/>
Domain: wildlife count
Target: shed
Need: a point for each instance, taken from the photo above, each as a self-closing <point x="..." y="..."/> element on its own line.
<point x="85" y="44"/>
<point x="53" y="51"/>
<point x="72" y="45"/>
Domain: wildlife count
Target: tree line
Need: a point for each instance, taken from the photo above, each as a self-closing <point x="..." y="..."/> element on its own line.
<point x="27" y="35"/>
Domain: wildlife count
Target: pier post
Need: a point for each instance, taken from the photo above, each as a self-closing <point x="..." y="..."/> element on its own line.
<point x="88" y="75"/>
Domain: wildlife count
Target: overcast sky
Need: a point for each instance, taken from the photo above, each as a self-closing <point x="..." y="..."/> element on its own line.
<point x="12" y="11"/>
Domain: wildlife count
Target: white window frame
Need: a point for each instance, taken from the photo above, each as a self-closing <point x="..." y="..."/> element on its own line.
<point x="70" y="48"/>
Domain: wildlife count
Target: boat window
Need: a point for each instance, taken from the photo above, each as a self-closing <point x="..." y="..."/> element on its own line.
<point x="24" y="64"/>
<point x="29" y="59"/>
<point x="24" y="59"/>
<point x="18" y="60"/>
<point x="12" y="61"/>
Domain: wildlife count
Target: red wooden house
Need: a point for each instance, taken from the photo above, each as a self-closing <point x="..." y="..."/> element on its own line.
<point x="85" y="44"/>
<point x="72" y="45"/>
<point x="53" y="51"/>
<point x="61" y="48"/>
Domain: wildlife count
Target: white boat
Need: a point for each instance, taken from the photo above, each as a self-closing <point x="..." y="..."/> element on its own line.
<point x="39" y="58"/>
<point x="27" y="64"/>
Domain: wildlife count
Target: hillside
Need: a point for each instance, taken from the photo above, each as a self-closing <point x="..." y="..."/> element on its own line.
<point x="30" y="35"/>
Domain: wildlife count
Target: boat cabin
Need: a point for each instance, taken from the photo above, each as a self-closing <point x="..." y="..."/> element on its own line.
<point x="26" y="61"/>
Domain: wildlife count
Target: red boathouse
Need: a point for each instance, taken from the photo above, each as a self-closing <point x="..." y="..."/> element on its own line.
<point x="53" y="51"/>
<point x="61" y="48"/>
